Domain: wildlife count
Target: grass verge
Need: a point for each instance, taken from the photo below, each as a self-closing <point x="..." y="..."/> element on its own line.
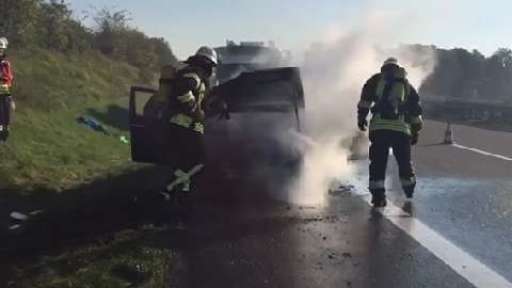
<point x="127" y="259"/>
<point x="49" y="152"/>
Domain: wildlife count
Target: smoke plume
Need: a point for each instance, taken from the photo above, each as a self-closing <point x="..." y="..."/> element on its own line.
<point x="333" y="72"/>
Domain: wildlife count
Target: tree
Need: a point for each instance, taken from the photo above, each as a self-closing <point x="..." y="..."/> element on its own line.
<point x="19" y="21"/>
<point x="163" y="51"/>
<point x="80" y="38"/>
<point x="55" y="20"/>
<point x="470" y="76"/>
<point x="108" y="30"/>
<point x="115" y="38"/>
<point x="498" y="69"/>
<point x="49" y="24"/>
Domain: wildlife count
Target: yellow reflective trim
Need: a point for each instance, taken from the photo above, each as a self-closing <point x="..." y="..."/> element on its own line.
<point x="187" y="97"/>
<point x="201" y="94"/>
<point x="396" y="129"/>
<point x="4" y="89"/>
<point x="198" y="127"/>
<point x="377" y="123"/>
<point x="187" y="122"/>
<point x="182" y="120"/>
<point x="391" y="128"/>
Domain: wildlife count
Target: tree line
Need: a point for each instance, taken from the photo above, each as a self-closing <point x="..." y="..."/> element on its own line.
<point x="51" y="24"/>
<point x="470" y="76"/>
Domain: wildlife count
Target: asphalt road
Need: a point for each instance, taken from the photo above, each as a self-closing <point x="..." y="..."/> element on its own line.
<point x="239" y="235"/>
<point x="248" y="239"/>
<point x="464" y="195"/>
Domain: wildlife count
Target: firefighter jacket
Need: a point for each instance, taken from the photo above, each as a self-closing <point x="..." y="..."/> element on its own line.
<point x="6" y="77"/>
<point x="394" y="103"/>
<point x="187" y="99"/>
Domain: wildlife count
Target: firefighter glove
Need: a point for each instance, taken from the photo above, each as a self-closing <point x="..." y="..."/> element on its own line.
<point x="414" y="138"/>
<point x="362" y="124"/>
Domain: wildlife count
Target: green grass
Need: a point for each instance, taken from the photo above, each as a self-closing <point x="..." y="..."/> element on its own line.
<point x="47" y="149"/>
<point x="50" y="81"/>
<point x="55" y="152"/>
<point x="49" y="152"/>
<point x="128" y="261"/>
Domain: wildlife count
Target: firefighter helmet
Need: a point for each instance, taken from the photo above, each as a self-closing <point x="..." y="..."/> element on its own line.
<point x="3" y="43"/>
<point x="390" y="61"/>
<point x="207" y="53"/>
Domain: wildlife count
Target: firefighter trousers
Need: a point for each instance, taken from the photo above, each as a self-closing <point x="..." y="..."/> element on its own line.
<point x="187" y="154"/>
<point x="400" y="143"/>
<point x="5" y="116"/>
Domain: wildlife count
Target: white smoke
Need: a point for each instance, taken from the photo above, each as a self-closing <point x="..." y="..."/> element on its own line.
<point x="333" y="72"/>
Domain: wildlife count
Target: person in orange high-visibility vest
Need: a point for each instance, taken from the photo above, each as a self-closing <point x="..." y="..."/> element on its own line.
<point x="6" y="80"/>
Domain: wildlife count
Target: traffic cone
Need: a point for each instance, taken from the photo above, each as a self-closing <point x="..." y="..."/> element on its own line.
<point x="448" y="134"/>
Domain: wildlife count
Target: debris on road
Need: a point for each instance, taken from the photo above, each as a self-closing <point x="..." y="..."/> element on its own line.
<point x="18" y="216"/>
<point x="14" y="227"/>
<point x="36" y="212"/>
<point x="124" y="139"/>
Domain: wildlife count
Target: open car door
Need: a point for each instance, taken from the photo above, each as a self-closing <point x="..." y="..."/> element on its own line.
<point x="148" y="135"/>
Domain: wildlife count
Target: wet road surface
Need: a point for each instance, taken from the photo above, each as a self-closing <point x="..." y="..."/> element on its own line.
<point x="232" y="237"/>
<point x="239" y="234"/>
<point x="463" y="195"/>
<point x="248" y="242"/>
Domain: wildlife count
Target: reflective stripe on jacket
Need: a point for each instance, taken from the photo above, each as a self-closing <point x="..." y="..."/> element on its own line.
<point x="5" y="89"/>
<point x="188" y="122"/>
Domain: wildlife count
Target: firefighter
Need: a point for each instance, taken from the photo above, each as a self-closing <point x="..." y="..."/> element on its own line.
<point x="6" y="102"/>
<point x="395" y="123"/>
<point x="187" y="99"/>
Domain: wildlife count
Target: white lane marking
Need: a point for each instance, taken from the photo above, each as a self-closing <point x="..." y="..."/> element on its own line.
<point x="482" y="152"/>
<point x="461" y="262"/>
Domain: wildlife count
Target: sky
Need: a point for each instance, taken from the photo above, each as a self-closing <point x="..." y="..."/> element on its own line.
<point x="295" y="24"/>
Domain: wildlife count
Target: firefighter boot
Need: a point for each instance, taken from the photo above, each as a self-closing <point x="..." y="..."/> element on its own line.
<point x="4" y="135"/>
<point x="378" y="198"/>
<point x="409" y="191"/>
